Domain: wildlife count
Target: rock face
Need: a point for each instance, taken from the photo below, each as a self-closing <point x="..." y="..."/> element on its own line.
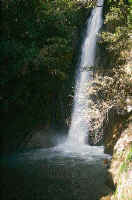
<point x="114" y="125"/>
<point x="120" y="171"/>
<point x="121" y="166"/>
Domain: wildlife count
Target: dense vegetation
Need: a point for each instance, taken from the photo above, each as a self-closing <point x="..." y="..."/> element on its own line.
<point x="38" y="47"/>
<point x="116" y="39"/>
<point x="112" y="84"/>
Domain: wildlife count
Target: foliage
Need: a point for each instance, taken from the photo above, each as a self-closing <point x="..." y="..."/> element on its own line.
<point x="123" y="167"/>
<point x="123" y="177"/>
<point x="37" y="49"/>
<point x="115" y="36"/>
<point x="115" y="39"/>
<point x="112" y="83"/>
<point x="129" y="156"/>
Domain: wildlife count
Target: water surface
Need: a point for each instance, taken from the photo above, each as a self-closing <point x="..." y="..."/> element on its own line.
<point x="59" y="173"/>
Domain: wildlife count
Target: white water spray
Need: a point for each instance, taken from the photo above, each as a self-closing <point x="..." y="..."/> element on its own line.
<point x="79" y="123"/>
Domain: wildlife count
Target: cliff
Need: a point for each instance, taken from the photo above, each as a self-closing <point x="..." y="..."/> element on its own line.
<point x="118" y="142"/>
<point x="120" y="171"/>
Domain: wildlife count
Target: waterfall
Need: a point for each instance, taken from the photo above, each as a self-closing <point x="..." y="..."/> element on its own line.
<point x="80" y="121"/>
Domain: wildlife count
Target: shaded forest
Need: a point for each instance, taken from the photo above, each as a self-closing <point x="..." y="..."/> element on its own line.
<point x="38" y="48"/>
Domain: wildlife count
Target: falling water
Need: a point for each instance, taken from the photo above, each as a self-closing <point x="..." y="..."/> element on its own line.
<point x="81" y="111"/>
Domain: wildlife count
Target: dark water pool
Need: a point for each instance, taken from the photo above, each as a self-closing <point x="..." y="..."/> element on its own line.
<point x="60" y="173"/>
